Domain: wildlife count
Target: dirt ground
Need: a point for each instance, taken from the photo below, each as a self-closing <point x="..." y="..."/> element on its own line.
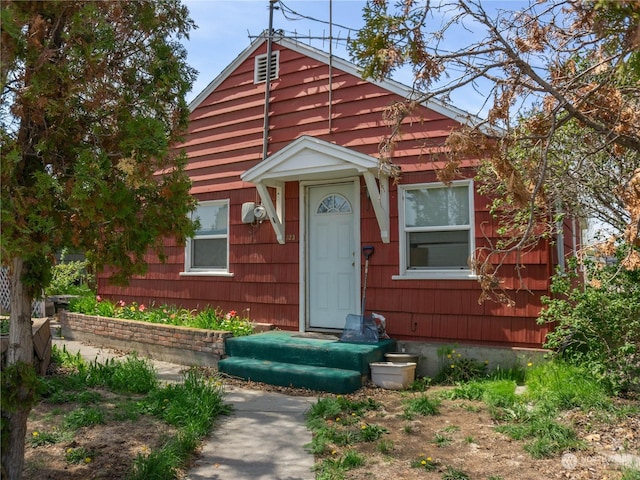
<point x="479" y="451"/>
<point x="475" y="447"/>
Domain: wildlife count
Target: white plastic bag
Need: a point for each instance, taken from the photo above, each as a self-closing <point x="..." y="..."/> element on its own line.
<point x="381" y="323"/>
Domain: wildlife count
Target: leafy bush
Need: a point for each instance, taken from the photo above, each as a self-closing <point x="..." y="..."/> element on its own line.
<point x="69" y="278"/>
<point x="597" y="325"/>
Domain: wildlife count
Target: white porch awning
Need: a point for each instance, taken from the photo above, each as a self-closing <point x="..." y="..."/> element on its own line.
<point x="308" y="158"/>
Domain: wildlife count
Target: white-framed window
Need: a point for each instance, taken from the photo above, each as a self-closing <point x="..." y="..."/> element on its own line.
<point x="260" y="67"/>
<point x="208" y="251"/>
<point x="436" y="230"/>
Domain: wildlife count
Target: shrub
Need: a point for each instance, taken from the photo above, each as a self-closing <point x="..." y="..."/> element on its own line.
<point x="69" y="278"/>
<point x="597" y="325"/>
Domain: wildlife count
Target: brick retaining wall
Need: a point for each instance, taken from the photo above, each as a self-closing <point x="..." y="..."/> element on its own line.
<point x="181" y="345"/>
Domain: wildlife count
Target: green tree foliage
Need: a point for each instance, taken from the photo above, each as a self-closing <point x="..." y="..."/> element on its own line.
<point x="597" y="325"/>
<point x="560" y="87"/>
<point x="69" y="277"/>
<point x="93" y="97"/>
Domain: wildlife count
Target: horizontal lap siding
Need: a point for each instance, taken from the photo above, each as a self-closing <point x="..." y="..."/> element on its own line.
<point x="225" y="140"/>
<point x="448" y="310"/>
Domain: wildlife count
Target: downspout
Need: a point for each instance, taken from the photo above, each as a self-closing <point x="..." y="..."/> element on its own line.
<point x="267" y="86"/>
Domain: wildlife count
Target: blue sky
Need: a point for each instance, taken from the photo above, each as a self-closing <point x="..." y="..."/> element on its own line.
<point x="224" y="27"/>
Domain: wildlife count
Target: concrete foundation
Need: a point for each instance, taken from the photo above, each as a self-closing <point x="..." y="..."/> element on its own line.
<point x="503" y="357"/>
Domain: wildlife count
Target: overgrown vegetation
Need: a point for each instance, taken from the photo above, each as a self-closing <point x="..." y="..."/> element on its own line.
<point x="340" y="425"/>
<point x="69" y="277"/>
<point x="190" y="407"/>
<point x="597" y="325"/>
<point x="552" y="388"/>
<point x="454" y="367"/>
<point x="567" y="131"/>
<point x="532" y="405"/>
<point x="209" y="318"/>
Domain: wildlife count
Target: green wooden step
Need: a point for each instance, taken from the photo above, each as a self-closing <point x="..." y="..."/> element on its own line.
<point x="334" y="380"/>
<point x="290" y="347"/>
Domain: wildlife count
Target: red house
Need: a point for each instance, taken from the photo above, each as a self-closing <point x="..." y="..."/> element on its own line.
<point x="284" y="215"/>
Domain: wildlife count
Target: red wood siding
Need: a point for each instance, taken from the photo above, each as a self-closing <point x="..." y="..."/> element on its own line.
<point x="225" y="139"/>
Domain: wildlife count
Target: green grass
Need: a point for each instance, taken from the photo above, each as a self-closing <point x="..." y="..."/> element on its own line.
<point x="131" y="375"/>
<point x="532" y="417"/>
<point x="79" y="455"/>
<point x="557" y="385"/>
<point x="340" y="407"/>
<point x="371" y="432"/>
<point x="452" y="473"/>
<point x="39" y="439"/>
<point x="336" y="422"/>
<point x="84" y="417"/>
<point x="516" y="373"/>
<point x="385" y="446"/>
<point x="442" y="440"/>
<point x="551" y="388"/>
<point x="190" y="406"/>
<point x="422" y="405"/>
<point x="425" y="463"/>
<point x="126" y="410"/>
<point x="544" y="436"/>
<point x="334" y="468"/>
<point x="498" y="393"/>
<point x="451" y="429"/>
<point x="630" y="474"/>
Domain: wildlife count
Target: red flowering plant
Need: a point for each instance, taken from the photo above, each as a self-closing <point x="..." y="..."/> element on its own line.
<point x="208" y="318"/>
<point x="132" y="311"/>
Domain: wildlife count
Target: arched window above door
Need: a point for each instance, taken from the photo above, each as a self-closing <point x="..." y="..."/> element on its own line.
<point x="333" y="203"/>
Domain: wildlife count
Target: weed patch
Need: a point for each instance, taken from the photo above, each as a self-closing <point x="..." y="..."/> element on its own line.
<point x="103" y="394"/>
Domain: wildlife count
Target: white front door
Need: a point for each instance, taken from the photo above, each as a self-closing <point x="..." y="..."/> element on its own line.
<point x="332" y="261"/>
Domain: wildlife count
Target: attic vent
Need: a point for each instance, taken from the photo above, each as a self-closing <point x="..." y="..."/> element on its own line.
<point x="260" y="72"/>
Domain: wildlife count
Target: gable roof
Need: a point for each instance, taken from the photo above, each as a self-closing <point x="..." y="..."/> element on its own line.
<point x="309" y="158"/>
<point x="398" y="88"/>
<point x="306" y="157"/>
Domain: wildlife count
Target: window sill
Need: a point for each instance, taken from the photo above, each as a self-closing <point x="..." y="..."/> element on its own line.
<point x="206" y="274"/>
<point x="436" y="275"/>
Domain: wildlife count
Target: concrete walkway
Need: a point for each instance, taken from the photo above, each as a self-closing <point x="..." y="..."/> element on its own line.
<point x="263" y="439"/>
